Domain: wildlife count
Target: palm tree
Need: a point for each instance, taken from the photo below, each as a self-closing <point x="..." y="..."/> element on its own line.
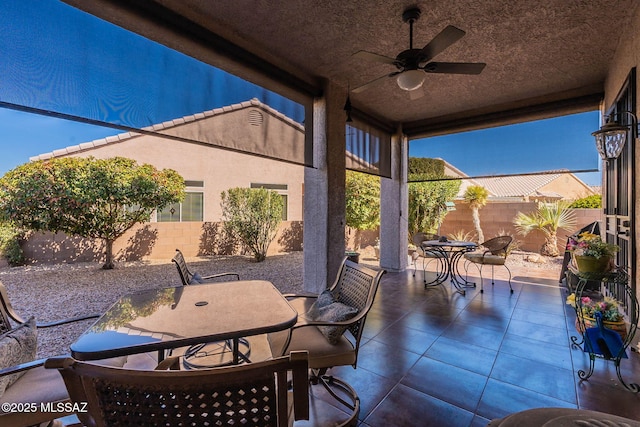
<point x="477" y="196"/>
<point x="548" y="218"/>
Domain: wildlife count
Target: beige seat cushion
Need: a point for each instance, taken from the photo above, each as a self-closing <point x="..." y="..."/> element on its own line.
<point x="321" y="353"/>
<point x="487" y="259"/>
<point x="40" y="385"/>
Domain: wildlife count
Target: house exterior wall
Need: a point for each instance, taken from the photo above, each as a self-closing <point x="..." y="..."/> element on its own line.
<point x="497" y="218"/>
<point x="626" y="57"/>
<point x="569" y="186"/>
<point x="219" y="169"/>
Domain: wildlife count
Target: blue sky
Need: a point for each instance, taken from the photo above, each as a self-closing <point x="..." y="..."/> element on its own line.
<point x="54" y="57"/>
<point x="559" y="143"/>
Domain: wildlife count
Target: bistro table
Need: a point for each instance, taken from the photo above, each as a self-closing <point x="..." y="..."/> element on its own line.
<point x="450" y="252"/>
<point x="168" y="318"/>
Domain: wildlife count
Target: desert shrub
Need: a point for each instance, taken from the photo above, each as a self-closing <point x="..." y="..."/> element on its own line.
<point x="590" y="202"/>
<point x="253" y="216"/>
<point x="10" y="237"/>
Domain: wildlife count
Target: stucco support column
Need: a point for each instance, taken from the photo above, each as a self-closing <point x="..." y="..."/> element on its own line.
<point x="324" y="192"/>
<point x="394" y="207"/>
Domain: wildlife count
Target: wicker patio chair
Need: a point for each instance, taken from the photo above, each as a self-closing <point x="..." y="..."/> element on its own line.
<point x="28" y="381"/>
<point x="330" y="328"/>
<point x="189" y="278"/>
<point x="495" y="254"/>
<point x="255" y="394"/>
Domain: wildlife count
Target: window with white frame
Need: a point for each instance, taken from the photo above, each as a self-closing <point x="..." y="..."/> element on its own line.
<point x="190" y="210"/>
<point x="282" y="190"/>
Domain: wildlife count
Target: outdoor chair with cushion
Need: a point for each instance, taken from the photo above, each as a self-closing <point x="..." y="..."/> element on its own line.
<point x="256" y="394"/>
<point x="427" y="255"/>
<point x="495" y="254"/>
<point x="215" y="351"/>
<point x="23" y="380"/>
<point x="189" y="278"/>
<point x="330" y="328"/>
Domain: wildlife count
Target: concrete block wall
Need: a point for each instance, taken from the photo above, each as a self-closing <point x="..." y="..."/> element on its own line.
<point x="497" y="218"/>
<point x="157" y="240"/>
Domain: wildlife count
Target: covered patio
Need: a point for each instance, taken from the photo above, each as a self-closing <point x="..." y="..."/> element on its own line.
<point x="546" y="61"/>
<point x="431" y="357"/>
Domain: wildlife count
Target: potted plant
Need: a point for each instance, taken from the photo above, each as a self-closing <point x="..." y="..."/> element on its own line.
<point x="608" y="307"/>
<point x="591" y="254"/>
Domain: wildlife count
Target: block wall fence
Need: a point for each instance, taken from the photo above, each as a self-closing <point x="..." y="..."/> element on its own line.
<point x="160" y="240"/>
<point x="497" y="218"/>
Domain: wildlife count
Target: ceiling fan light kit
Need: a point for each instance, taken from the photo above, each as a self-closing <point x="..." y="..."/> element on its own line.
<point x="411" y="79"/>
<point x="413" y="64"/>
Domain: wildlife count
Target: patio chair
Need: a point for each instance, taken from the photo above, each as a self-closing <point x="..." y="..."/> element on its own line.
<point x="497" y="250"/>
<point x="189" y="278"/>
<point x="330" y="328"/>
<point x="427" y="255"/>
<point x="216" y="349"/>
<point x="24" y="380"/>
<point x="255" y="394"/>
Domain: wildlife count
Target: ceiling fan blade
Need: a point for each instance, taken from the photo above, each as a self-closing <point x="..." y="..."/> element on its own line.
<point x="443" y="40"/>
<point x="370" y="56"/>
<point x="455" y="67"/>
<point x="373" y="82"/>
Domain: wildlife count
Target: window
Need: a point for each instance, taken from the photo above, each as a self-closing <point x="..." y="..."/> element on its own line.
<point x="190" y="210"/>
<point x="281" y="189"/>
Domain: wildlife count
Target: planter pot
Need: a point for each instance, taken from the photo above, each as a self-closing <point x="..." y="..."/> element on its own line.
<point x="589" y="264"/>
<point x="589" y="322"/>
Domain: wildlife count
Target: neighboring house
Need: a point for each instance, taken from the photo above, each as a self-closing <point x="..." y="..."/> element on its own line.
<point x="209" y="170"/>
<point x="525" y="188"/>
<point x="509" y="195"/>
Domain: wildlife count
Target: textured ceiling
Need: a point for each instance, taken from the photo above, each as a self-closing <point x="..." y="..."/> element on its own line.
<point x="536" y="52"/>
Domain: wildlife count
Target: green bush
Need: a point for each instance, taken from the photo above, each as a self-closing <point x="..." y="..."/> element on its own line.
<point x="589" y="202"/>
<point x="253" y="216"/>
<point x="10" y="248"/>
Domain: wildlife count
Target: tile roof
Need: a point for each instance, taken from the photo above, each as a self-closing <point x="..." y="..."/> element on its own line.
<point x="517" y="186"/>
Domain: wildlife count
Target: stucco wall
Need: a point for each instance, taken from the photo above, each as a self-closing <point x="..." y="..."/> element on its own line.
<point x="153" y="241"/>
<point x="569" y="186"/>
<point x="497" y="218"/>
<point x="626" y="57"/>
<point x="219" y="169"/>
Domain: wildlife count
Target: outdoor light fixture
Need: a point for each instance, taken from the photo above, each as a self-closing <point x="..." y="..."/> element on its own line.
<point x="347" y="108"/>
<point x="411" y="79"/>
<point x="612" y="136"/>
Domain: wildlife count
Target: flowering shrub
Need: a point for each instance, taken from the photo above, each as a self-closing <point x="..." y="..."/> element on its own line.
<point x="589" y="244"/>
<point x="608" y="307"/>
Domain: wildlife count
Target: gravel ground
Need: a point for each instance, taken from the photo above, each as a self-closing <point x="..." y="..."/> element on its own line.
<point x="51" y="292"/>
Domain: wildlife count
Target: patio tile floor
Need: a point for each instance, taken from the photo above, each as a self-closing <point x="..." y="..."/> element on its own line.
<point x="432" y="357"/>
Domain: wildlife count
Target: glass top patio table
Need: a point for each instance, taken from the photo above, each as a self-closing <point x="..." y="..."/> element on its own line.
<point x="161" y="319"/>
<point x="451" y="251"/>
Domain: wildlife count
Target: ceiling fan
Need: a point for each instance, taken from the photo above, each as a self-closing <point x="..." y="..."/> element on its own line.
<point x="412" y="64"/>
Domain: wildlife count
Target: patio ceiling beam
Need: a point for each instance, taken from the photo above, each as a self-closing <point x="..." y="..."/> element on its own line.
<point x="507" y="114"/>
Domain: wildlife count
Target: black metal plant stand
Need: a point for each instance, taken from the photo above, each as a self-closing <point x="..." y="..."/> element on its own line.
<point x="616" y="285"/>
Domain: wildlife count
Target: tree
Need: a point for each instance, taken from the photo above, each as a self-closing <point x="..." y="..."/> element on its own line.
<point x="427" y="195"/>
<point x="362" y="194"/>
<point x="476" y="196"/>
<point x="548" y="218"/>
<point x="253" y="215"/>
<point x="427" y="204"/>
<point x="87" y="197"/>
